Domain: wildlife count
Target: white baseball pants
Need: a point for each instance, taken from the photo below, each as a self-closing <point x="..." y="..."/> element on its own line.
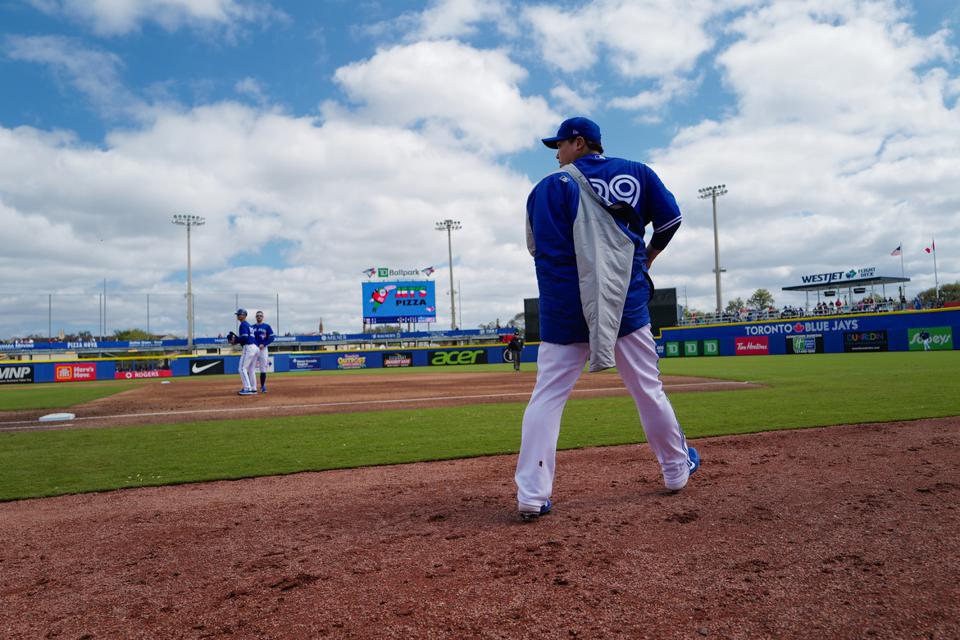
<point x="558" y="368"/>
<point x="248" y="362"/>
<point x="263" y="359"/>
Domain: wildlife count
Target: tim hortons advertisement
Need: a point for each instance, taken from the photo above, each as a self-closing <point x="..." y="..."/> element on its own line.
<point x="467" y="356"/>
<point x="16" y="374"/>
<point x="755" y="346"/>
<point x="398" y="359"/>
<point x="74" y="372"/>
<point x="206" y="367"/>
<point x="854" y="341"/>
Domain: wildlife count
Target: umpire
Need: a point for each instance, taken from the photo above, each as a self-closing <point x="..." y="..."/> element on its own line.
<point x="516" y="347"/>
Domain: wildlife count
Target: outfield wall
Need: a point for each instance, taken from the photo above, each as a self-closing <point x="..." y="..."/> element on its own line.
<point x="848" y="333"/>
<point x="24" y="372"/>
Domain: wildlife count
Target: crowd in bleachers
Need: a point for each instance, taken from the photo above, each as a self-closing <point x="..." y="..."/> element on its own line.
<point x="870" y="304"/>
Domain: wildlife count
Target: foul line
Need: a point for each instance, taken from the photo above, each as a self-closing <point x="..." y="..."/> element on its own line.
<point x="36" y="425"/>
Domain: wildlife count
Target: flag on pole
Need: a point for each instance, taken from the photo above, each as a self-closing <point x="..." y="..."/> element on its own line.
<point x="897" y="251"/>
<point x="932" y="248"/>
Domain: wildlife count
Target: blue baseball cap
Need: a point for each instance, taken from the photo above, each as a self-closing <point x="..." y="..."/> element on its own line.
<point x="573" y="127"/>
<point x="241" y="312"/>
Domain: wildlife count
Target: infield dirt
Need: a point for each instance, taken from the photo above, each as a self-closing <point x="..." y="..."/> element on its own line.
<point x="840" y="532"/>
<point x="216" y="398"/>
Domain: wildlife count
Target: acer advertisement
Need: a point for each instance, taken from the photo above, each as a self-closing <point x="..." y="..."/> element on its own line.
<point x="447" y="358"/>
<point x="74" y="372"/>
<point x="752" y="346"/>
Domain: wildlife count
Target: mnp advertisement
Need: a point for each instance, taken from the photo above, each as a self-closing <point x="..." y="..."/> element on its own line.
<point x="392" y="302"/>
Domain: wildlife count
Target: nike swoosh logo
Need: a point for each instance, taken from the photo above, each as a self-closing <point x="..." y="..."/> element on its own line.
<point x="197" y="369"/>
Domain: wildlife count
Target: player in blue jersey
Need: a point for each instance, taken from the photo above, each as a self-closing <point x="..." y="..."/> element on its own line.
<point x="248" y="355"/>
<point x="262" y="337"/>
<point x="585" y="229"/>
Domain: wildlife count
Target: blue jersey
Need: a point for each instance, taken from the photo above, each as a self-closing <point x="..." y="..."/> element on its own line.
<point x="551" y="210"/>
<point x="262" y="334"/>
<point x="243" y="333"/>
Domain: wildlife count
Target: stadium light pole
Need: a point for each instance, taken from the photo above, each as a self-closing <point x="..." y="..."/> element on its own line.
<point x="189" y="220"/>
<point x="713" y="193"/>
<point x="449" y="226"/>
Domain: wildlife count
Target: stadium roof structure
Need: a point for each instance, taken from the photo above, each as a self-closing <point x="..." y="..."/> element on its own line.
<point x="847" y="284"/>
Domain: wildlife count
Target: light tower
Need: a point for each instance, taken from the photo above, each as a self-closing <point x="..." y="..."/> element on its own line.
<point x="713" y="193"/>
<point x="449" y="226"/>
<point x="189" y="220"/>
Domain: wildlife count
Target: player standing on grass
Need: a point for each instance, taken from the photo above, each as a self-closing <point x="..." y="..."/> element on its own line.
<point x="248" y="355"/>
<point x="262" y="337"/>
<point x="585" y="227"/>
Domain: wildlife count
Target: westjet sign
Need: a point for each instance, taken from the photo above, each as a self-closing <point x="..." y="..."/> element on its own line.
<point x="839" y="276"/>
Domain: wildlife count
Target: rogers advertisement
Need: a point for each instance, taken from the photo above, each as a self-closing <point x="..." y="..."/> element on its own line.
<point x="150" y="373"/>
<point x="74" y="372"/>
<point x="752" y="346"/>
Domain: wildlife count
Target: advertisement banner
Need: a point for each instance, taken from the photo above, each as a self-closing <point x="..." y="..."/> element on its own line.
<point x="854" y="341"/>
<point x="755" y="346"/>
<point x="304" y="363"/>
<point x="137" y="369"/>
<point x="804" y="343"/>
<point x="390" y="302"/>
<point x="711" y="347"/>
<point x="74" y="372"/>
<point x="206" y="367"/>
<point x="352" y="361"/>
<point x="454" y="357"/>
<point x="398" y="359"/>
<point x="140" y="374"/>
<point x="672" y="349"/>
<point x="16" y="374"/>
<point x="930" y="339"/>
<point x="691" y="348"/>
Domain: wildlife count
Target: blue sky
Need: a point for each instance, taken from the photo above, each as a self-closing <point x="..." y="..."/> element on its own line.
<point x="322" y="138"/>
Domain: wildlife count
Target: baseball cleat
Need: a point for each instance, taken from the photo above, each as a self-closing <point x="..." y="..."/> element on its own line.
<point x="246" y="392"/>
<point x="528" y="515"/>
<point x="263" y="389"/>
<point x="693" y="463"/>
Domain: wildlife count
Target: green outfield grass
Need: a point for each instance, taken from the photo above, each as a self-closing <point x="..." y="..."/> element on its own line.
<point x="799" y="391"/>
<point x="56" y="396"/>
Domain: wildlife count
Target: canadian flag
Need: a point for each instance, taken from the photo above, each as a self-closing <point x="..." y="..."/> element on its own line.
<point x="932" y="247"/>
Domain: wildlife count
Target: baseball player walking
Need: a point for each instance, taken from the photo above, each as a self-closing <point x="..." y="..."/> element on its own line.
<point x="516" y="348"/>
<point x="585" y="228"/>
<point x="262" y="337"/>
<point x="249" y="355"/>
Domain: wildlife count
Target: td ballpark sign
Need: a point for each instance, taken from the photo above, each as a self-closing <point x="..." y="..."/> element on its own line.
<point x="810" y="326"/>
<point x="839" y="276"/>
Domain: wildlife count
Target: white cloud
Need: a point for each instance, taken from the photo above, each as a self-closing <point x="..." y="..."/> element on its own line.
<point x="251" y="88"/>
<point x="451" y="91"/>
<point x="94" y="73"/>
<point x="457" y="18"/>
<point x="341" y="196"/>
<point x="573" y="101"/>
<point x="118" y="17"/>
<point x="642" y="38"/>
<point x="842" y="146"/>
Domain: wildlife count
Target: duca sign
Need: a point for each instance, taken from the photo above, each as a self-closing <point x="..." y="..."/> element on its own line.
<point x="441" y="358"/>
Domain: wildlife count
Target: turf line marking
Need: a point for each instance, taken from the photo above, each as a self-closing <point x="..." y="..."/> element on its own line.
<point x="9" y="426"/>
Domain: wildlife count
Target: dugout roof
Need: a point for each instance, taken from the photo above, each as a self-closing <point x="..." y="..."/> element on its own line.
<point x="847" y="284"/>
